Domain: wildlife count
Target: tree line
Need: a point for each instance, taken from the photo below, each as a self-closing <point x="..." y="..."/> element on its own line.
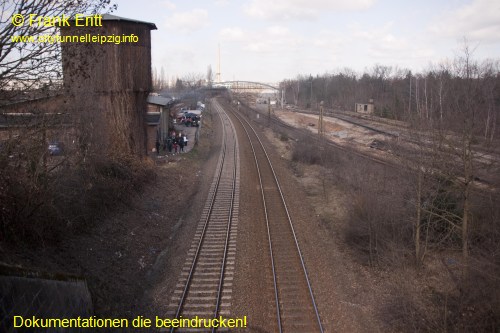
<point x="440" y="205"/>
<point x="401" y="94"/>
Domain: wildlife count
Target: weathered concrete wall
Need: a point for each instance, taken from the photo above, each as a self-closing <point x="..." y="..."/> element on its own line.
<point x="29" y="294"/>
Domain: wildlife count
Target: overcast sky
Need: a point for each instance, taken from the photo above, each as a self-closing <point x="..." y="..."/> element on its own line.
<point x="271" y="40"/>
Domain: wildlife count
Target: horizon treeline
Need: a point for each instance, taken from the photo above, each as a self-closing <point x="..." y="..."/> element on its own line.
<point x="432" y="95"/>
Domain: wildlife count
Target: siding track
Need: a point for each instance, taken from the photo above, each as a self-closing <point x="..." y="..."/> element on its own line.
<point x="204" y="288"/>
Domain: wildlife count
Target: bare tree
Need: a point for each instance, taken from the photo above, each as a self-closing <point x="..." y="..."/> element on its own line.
<point x="453" y="148"/>
<point x="210" y="76"/>
<point x="193" y="80"/>
<point x="31" y="68"/>
<point x="457" y="147"/>
<point x="154" y="77"/>
<point x="163" y="78"/>
<point x="28" y="65"/>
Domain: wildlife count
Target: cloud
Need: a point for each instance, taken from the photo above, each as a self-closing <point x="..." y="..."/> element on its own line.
<point x="328" y="41"/>
<point x="278" y="31"/>
<point x="384" y="44"/>
<point x="273" y="39"/>
<point x="301" y="9"/>
<point x="169" y="5"/>
<point x="232" y="34"/>
<point x="478" y="21"/>
<point x="272" y="44"/>
<point x="189" y="21"/>
<point x="221" y="3"/>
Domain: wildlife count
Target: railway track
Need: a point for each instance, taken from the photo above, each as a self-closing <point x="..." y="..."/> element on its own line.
<point x="352" y="122"/>
<point x="485" y="159"/>
<point x="481" y="186"/>
<point x="296" y="309"/>
<point x="204" y="288"/>
<point x="297" y="133"/>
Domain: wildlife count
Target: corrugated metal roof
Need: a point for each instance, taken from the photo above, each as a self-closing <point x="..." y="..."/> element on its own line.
<point x="158" y="100"/>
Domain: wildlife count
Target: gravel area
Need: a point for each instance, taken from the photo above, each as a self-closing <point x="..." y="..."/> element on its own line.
<point x="253" y="292"/>
<point x="345" y="293"/>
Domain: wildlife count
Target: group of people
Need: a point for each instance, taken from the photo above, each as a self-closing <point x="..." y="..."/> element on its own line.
<point x="173" y="143"/>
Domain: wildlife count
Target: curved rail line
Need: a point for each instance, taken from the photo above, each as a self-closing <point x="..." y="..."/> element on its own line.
<point x="328" y="143"/>
<point x="350" y="121"/>
<point x="204" y="288"/>
<point x="296" y="309"/>
<point x="387" y="163"/>
<point x="486" y="158"/>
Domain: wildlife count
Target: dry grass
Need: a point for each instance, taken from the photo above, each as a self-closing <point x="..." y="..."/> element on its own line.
<point x="440" y="295"/>
<point x="41" y="207"/>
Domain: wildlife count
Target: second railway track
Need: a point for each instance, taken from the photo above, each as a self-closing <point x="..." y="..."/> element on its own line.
<point x="205" y="286"/>
<point x="295" y="306"/>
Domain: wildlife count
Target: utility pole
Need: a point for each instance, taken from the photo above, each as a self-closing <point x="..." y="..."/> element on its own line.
<point x="282" y="98"/>
<point x="409" y="102"/>
<point x="311" y="95"/>
<point x="320" y="120"/>
<point x="218" y="66"/>
<point x="269" y="108"/>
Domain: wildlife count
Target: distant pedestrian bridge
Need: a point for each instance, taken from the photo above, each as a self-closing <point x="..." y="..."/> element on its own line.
<point x="247" y="86"/>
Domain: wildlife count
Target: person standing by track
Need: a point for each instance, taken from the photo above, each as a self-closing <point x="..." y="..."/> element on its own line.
<point x="181" y="143"/>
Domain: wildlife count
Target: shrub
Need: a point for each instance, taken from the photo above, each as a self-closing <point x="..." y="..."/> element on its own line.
<point x="43" y="208"/>
<point x="306" y="151"/>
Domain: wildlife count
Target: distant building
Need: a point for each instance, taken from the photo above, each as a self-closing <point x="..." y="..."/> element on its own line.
<point x="157" y="119"/>
<point x="364" y="108"/>
<point x="112" y="78"/>
<point x="46" y="115"/>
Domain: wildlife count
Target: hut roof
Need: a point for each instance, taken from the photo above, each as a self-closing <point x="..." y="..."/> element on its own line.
<point x="158" y="100"/>
<point x="109" y="17"/>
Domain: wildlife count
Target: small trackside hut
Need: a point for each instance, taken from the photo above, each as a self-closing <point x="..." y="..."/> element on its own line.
<point x="157" y="119"/>
<point x="364" y="107"/>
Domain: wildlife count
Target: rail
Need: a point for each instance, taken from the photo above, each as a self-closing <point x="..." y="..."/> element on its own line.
<point x="280" y="252"/>
<point x="217" y="210"/>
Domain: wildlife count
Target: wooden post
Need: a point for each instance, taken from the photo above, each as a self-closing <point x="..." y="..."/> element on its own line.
<point x="269" y="108"/>
<point x="320" y="120"/>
